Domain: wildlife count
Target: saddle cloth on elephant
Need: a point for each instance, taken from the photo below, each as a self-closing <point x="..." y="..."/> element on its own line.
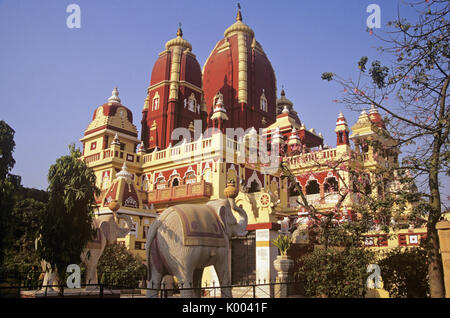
<point x="201" y="225"/>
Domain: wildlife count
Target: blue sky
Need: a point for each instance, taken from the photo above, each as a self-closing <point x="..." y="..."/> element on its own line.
<point x="52" y="77"/>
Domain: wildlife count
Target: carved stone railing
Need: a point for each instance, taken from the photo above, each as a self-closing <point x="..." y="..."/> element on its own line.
<point x="312" y="158"/>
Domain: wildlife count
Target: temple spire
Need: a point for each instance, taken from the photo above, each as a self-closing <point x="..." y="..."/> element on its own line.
<point x="239" y="14"/>
<point x="179" y="31"/>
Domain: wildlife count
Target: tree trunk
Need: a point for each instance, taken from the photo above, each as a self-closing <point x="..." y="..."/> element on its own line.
<point x="435" y="271"/>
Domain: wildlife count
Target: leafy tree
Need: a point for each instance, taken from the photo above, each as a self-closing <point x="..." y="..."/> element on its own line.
<point x="118" y="267"/>
<point x="67" y="225"/>
<point x="8" y="183"/>
<point x="7" y="146"/>
<point x="412" y="92"/>
<point x="29" y="209"/>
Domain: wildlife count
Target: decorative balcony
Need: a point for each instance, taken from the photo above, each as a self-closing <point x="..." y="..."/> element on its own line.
<point x="109" y="154"/>
<point x="183" y="192"/>
<point x="313" y="158"/>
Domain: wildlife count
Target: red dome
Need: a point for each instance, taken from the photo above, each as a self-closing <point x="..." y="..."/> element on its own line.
<point x="190" y="70"/>
<point x="174" y="95"/>
<point x="239" y="69"/>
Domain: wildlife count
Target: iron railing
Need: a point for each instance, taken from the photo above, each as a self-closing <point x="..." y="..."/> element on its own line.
<point x="260" y="289"/>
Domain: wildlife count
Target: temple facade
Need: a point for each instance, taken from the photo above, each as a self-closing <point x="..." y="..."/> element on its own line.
<point x="234" y="126"/>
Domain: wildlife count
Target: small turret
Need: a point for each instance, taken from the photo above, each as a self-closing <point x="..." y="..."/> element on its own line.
<point x="294" y="142"/>
<point x="342" y="131"/>
<point x="219" y="114"/>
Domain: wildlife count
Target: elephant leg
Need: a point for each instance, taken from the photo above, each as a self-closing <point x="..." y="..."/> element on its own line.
<point x="197" y="281"/>
<point x="186" y="284"/>
<point x="91" y="268"/>
<point x="154" y="284"/>
<point x="224" y="276"/>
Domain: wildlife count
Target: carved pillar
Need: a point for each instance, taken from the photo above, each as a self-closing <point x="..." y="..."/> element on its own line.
<point x="443" y="228"/>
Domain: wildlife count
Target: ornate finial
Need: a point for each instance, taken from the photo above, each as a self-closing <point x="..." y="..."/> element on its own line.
<point x="179" y="32"/>
<point x="283" y="93"/>
<point x="115" y="96"/>
<point x="124" y="172"/>
<point x="239" y="14"/>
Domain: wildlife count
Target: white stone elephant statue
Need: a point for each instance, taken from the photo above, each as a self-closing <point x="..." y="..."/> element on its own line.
<point x="108" y="231"/>
<point x="186" y="238"/>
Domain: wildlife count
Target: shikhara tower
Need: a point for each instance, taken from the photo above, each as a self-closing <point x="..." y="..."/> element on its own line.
<point x="236" y="88"/>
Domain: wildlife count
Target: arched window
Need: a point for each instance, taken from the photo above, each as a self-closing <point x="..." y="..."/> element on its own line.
<point x="155" y="103"/>
<point x="175" y="182"/>
<point x="263" y="102"/>
<point x="331" y="185"/>
<point x="160" y="181"/>
<point x="190" y="178"/>
<point x="254" y="187"/>
<point x="192" y="103"/>
<point x="341" y="137"/>
<point x="312" y="187"/>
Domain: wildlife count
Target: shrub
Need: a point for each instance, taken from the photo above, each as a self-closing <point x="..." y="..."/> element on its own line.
<point x="335" y="272"/>
<point x="117" y="267"/>
<point x="404" y="273"/>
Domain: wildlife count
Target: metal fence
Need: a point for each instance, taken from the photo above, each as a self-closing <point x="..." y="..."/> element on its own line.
<point x="260" y="289"/>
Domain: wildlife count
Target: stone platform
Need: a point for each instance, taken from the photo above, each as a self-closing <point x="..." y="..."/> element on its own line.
<point x="70" y="293"/>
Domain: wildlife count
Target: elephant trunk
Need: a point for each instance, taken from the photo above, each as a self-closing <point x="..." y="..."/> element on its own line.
<point x="241" y="226"/>
<point x="124" y="231"/>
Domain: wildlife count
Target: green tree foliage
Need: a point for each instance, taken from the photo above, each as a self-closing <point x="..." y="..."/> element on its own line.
<point x="8" y="183"/>
<point x="413" y="94"/>
<point x="67" y="225"/>
<point x="404" y="273"/>
<point x="118" y="267"/>
<point x="21" y="262"/>
<point x="334" y="272"/>
<point x="7" y="146"/>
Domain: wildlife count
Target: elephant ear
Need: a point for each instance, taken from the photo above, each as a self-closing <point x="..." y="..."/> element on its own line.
<point x="222" y="214"/>
<point x="225" y="219"/>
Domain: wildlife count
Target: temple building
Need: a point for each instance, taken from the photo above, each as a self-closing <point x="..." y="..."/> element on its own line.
<point x="235" y="91"/>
